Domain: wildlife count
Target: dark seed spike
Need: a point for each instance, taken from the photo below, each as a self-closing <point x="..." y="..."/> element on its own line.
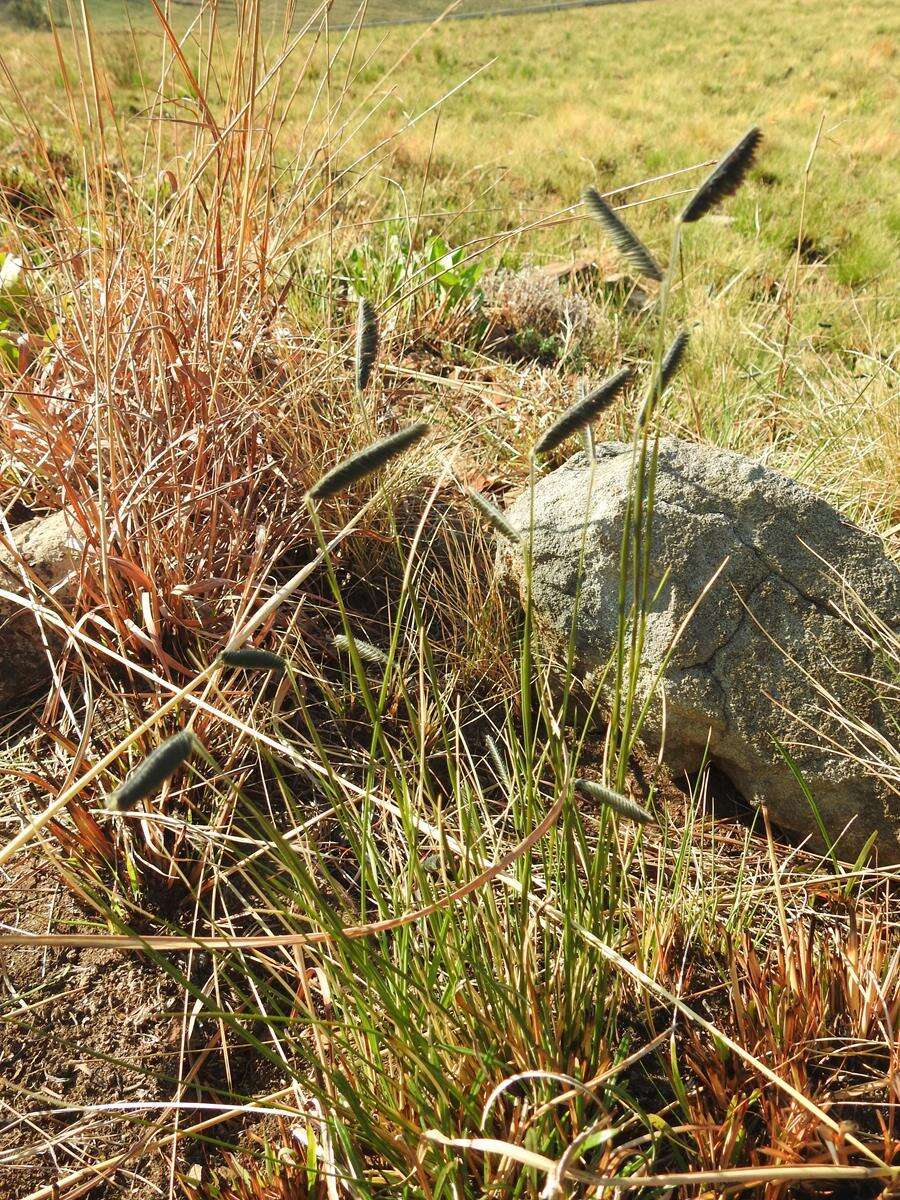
<point x="366" y="342"/>
<point x="252" y="659"/>
<point x="620" y="804"/>
<point x="582" y="413"/>
<point x="493" y="515"/>
<point x="725" y="178"/>
<point x="627" y="243"/>
<point x="367" y="461"/>
<point x="366" y="651"/>
<point x="672" y="360"/>
<point x="151" y="774"/>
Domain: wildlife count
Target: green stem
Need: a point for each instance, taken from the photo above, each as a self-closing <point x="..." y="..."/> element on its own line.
<point x="637" y="538"/>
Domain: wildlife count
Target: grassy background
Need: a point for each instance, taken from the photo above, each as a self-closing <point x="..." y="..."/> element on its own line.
<point x="602" y="96"/>
<point x="614" y="95"/>
<point x="115" y="15"/>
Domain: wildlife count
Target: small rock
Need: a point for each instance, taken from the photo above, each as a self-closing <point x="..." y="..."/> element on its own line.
<point x="50" y="548"/>
<point x="594" y="268"/>
<point x="579" y="267"/>
<point x="767" y="657"/>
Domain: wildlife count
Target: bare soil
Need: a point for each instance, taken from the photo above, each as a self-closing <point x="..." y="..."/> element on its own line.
<point x="79" y="1029"/>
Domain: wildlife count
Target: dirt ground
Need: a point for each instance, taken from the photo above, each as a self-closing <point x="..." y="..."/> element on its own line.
<point x="80" y="1028"/>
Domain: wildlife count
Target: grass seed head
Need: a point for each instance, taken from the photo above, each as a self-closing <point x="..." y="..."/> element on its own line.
<point x="615" y="800"/>
<point x="582" y="413"/>
<point x="672" y="358"/>
<point x="152" y="773"/>
<point x="367" y="461"/>
<point x="251" y="659"/>
<point x="366" y="342"/>
<point x="493" y="515"/>
<point x="366" y="651"/>
<point x="725" y="178"/>
<point x="625" y="241"/>
<point x="499" y="763"/>
<point x="663" y="377"/>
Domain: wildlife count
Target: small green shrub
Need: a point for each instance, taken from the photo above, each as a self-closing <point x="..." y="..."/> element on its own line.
<point x="32" y="14"/>
<point x="121" y="60"/>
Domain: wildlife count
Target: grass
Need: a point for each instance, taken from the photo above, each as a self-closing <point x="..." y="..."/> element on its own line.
<point x="384" y="916"/>
<point x="626" y="109"/>
<point x="112" y="14"/>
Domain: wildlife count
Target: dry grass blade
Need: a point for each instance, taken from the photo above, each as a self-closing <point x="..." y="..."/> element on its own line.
<point x="87" y="1179"/>
<point x="366" y="343"/>
<point x="627" y="243"/>
<point x="318" y="938"/>
<point x="725" y="178"/>
<point x="736" y="1175"/>
<point x="367" y="461"/>
<point x="582" y="413"/>
<point x="620" y="804"/>
<point x="156" y="768"/>
<point x="493" y="515"/>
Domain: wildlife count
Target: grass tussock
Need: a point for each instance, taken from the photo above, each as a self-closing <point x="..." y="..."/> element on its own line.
<point x="433" y="931"/>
